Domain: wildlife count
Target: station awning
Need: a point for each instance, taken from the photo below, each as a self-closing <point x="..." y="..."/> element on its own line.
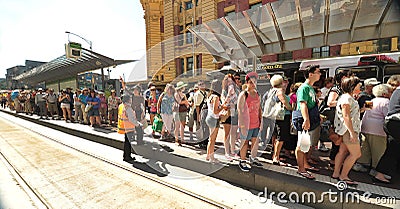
<point x="288" y="25"/>
<point x="62" y="67"/>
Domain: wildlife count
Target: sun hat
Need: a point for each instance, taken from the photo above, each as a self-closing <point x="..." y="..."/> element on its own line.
<point x="180" y="85"/>
<point x="371" y="81"/>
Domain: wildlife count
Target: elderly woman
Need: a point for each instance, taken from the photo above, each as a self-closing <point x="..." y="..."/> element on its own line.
<point x="348" y="126"/>
<point x="372" y="127"/>
<point x="165" y="107"/>
<point x="230" y="94"/>
<point x="389" y="161"/>
<point x="281" y="128"/>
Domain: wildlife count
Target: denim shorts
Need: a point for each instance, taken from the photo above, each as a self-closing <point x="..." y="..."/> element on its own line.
<point x="93" y="112"/>
<point x="212" y="122"/>
<point x="251" y="133"/>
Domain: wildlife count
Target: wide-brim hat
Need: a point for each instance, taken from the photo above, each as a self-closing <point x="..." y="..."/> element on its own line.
<point x="180" y="85"/>
<point x="371" y="81"/>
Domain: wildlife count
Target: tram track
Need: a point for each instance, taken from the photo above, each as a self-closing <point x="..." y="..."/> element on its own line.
<point x="132" y="170"/>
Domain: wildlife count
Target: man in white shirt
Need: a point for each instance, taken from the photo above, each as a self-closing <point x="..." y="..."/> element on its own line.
<point x="199" y="97"/>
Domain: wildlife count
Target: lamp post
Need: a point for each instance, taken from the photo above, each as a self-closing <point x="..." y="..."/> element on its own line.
<point x="87" y="41"/>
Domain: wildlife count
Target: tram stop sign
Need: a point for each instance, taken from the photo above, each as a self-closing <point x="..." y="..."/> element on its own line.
<point x="73" y="50"/>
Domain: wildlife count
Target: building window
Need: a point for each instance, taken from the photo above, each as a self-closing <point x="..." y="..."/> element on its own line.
<point x="285" y="56"/>
<point x="257" y="5"/>
<point x="384" y="45"/>
<point x="197" y="2"/>
<point x="162" y="77"/>
<point x="189" y="37"/>
<point x="320" y="52"/>
<point x="180" y="39"/>
<point x="188" y="5"/>
<point x="182" y="65"/>
<point x="180" y="7"/>
<point x="189" y="64"/>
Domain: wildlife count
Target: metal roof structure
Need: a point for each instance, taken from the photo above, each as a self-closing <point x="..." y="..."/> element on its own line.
<point x="62" y="67"/>
<point x="288" y="25"/>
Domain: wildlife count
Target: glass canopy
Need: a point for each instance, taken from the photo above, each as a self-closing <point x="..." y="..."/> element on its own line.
<point x="288" y="25"/>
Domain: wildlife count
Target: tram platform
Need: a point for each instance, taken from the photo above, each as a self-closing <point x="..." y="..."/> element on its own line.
<point x="270" y="177"/>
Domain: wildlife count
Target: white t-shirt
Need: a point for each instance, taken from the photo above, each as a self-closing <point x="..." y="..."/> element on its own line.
<point x="324" y="92"/>
<point x="340" y="128"/>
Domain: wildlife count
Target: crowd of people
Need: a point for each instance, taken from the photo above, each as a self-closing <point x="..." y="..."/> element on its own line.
<point x="85" y="106"/>
<point x="358" y="117"/>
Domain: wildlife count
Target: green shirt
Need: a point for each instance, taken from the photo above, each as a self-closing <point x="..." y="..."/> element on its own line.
<point x="306" y="94"/>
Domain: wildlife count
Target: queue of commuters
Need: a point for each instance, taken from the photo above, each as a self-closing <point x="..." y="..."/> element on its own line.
<point x="360" y="117"/>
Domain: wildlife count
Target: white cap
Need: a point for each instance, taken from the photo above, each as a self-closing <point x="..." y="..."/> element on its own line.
<point x="40" y="89"/>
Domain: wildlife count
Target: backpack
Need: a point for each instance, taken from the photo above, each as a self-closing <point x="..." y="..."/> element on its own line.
<point x="325" y="110"/>
<point x="203" y="133"/>
<point x="272" y="108"/>
<point x="202" y="104"/>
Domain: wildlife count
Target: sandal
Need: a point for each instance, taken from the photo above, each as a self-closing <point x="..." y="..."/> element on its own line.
<point x="349" y="182"/>
<point x="178" y="141"/>
<point x="336" y="178"/>
<point x="306" y="175"/>
<point x="312" y="169"/>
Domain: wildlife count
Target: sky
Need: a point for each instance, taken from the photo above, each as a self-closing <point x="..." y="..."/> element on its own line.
<point x="35" y="30"/>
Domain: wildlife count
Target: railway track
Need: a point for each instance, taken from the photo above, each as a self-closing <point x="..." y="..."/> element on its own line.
<point x="40" y="199"/>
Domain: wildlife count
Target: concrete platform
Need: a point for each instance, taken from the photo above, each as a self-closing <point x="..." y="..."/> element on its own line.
<point x="270" y="177"/>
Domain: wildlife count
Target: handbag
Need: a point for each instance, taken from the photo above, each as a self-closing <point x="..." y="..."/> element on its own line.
<point x="224" y="115"/>
<point x="304" y="141"/>
<point x="183" y="108"/>
<point x="88" y="107"/>
<point x="279" y="111"/>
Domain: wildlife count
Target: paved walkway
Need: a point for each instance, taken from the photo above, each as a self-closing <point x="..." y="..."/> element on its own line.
<point x="194" y="152"/>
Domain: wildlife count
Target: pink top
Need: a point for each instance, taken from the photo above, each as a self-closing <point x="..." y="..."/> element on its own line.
<point x="253" y="106"/>
<point x="293" y="99"/>
<point x="373" y="120"/>
<point x="103" y="102"/>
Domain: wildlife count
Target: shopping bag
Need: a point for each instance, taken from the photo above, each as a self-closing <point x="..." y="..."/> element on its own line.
<point x="157" y="123"/>
<point x="88" y="107"/>
<point x="305" y="141"/>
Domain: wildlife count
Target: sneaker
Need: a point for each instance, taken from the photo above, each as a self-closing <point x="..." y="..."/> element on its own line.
<point x="323" y="148"/>
<point x="255" y="162"/>
<point x="360" y="168"/>
<point x="373" y="172"/>
<point x="243" y="166"/>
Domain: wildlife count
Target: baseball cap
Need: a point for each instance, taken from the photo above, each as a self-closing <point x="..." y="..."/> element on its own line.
<point x="251" y="75"/>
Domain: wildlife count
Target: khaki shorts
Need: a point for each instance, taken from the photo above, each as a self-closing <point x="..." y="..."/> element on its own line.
<point x="346" y="138"/>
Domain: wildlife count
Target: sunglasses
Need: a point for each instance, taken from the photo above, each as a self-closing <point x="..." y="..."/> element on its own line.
<point x="152" y="90"/>
<point x="237" y="78"/>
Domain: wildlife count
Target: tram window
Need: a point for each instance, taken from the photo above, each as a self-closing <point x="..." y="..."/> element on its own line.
<point x="362" y="72"/>
<point x="391" y="70"/>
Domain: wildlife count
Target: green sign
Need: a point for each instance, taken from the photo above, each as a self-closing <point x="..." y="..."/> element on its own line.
<point x="74" y="45"/>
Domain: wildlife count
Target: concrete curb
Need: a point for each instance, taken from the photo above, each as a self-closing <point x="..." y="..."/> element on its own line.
<point x="258" y="179"/>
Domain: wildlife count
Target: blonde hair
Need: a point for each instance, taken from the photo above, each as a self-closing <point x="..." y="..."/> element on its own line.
<point x="244" y="87"/>
<point x="380" y="90"/>
<point x="276" y="81"/>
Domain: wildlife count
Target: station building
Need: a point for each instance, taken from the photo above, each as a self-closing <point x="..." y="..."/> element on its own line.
<point x="271" y="33"/>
